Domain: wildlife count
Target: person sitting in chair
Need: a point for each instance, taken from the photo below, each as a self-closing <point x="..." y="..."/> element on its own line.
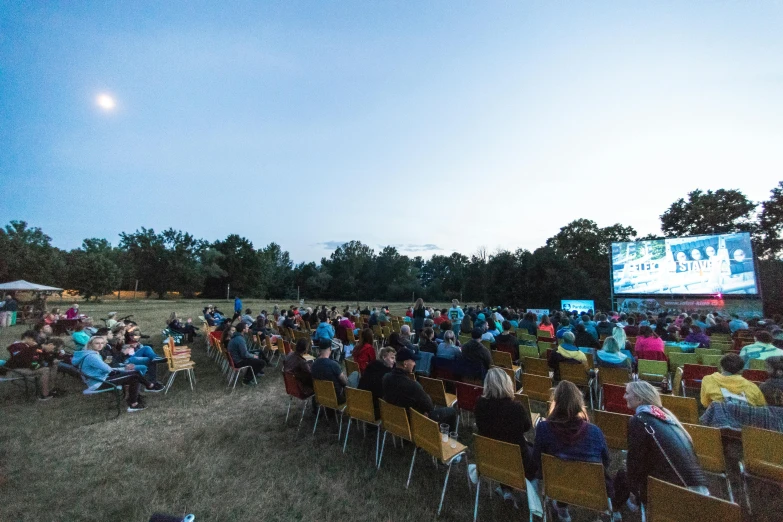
<point x="729" y="383"/>
<point x="327" y="369"/>
<point x="237" y="350"/>
<point x="296" y="364"/>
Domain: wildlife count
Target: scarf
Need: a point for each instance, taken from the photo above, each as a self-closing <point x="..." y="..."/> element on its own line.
<point x="656" y="412"/>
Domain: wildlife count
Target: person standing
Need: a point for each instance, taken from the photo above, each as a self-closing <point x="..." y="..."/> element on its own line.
<point x="237" y="308"/>
<point x="456" y="315"/>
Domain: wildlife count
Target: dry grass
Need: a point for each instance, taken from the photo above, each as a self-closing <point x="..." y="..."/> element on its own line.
<point x="219" y="455"/>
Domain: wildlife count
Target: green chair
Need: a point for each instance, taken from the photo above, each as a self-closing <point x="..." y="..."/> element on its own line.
<point x="701" y="352"/>
<point x="654" y="371"/>
<point x="528" y="351"/>
<point x="711" y="360"/>
<point x="757" y="364"/>
<point x="679" y="360"/>
<point x="671" y="349"/>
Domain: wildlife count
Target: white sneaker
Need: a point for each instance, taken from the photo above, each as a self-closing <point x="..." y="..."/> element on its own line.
<point x="633" y="508"/>
<point x="457" y="459"/>
<point x="473" y="473"/>
<point x="617" y="516"/>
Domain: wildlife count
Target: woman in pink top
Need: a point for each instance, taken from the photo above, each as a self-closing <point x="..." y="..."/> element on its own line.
<point x="649" y="346"/>
<point x="546" y="325"/>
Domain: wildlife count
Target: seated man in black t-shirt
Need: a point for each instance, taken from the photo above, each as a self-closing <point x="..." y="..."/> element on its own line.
<point x="327" y="369"/>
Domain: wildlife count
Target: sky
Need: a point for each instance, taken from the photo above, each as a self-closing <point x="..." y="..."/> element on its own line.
<point x="432" y="126"/>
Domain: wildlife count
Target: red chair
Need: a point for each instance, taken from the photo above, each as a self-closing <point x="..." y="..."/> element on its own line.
<point x="692" y="375"/>
<point x="467" y="396"/>
<point x="511" y="349"/>
<point x="293" y="390"/>
<point x="614" y="400"/>
<point x="756" y="376"/>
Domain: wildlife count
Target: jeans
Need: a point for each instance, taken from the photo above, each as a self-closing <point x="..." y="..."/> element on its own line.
<point x="133" y="380"/>
<point x="353" y="380"/>
<point x="256" y="365"/>
<point x="144" y="357"/>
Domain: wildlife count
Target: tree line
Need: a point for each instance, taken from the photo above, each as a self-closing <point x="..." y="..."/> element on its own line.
<point x="574" y="263"/>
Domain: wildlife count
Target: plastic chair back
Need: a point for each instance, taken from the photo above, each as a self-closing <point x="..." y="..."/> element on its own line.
<point x="426" y="434"/>
<point x="502" y="359"/>
<point x="499" y="461"/>
<point x="292" y="386"/>
<point x="723" y="347"/>
<point x="684" y="408"/>
<point x="614" y="399"/>
<point x="395" y="420"/>
<point x="543" y="346"/>
<point x="652" y="370"/>
<point x="325" y="394"/>
<point x="619" y="376"/>
<point x="537" y="387"/>
<point x="524" y="400"/>
<point x="528" y="351"/>
<point x="467" y="395"/>
<point x="573" y="372"/>
<point x="573" y="482"/>
<point x="708" y="447"/>
<point x="681" y="359"/>
<point x="758" y="364"/>
<point x="755" y="375"/>
<point x="615" y="428"/>
<point x="359" y="405"/>
<point x="701" y="352"/>
<point x="351" y="366"/>
<point x="692" y="374"/>
<point x="763" y="452"/>
<point x="544" y="333"/>
<point x="536" y="366"/>
<point x="670" y="503"/>
<point x="713" y="360"/>
<point x="435" y="389"/>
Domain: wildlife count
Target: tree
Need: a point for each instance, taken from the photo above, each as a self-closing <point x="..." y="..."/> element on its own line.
<point x="719" y="212"/>
<point x="92" y="274"/>
<point x="351" y="267"/>
<point x="27" y="253"/>
<point x="770" y="225"/>
<point x="239" y="265"/>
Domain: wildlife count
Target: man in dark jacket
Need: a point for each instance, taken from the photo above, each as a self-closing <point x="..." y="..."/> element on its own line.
<point x="474" y="351"/>
<point x="296" y="364"/>
<point x="237" y="349"/>
<point x="372" y="377"/>
<point x="400" y="390"/>
<point x="604" y="327"/>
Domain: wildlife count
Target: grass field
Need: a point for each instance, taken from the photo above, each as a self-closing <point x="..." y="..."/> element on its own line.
<point x="222" y="456"/>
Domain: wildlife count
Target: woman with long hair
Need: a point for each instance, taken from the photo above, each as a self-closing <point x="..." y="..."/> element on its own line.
<point x="610" y="355"/>
<point x="658" y="446"/>
<point x="648" y="345"/>
<point x="568" y="434"/>
<point x="448" y="349"/>
<point x="365" y="353"/>
<point x="546" y="325"/>
<point x="419" y="314"/>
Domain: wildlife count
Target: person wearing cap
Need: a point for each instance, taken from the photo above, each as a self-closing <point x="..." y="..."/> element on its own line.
<point x="400" y="390"/>
<point x="325" y="368"/>
<point x="474" y="351"/>
<point x="111" y="321"/>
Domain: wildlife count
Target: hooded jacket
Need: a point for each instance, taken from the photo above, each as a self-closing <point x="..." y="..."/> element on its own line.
<point x="91" y="364"/>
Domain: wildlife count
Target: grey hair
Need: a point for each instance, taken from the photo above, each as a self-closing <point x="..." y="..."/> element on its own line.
<point x="569" y="337"/>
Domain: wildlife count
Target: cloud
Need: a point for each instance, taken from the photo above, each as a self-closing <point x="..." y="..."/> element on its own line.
<point x="332" y="245"/>
<point x="410" y="247"/>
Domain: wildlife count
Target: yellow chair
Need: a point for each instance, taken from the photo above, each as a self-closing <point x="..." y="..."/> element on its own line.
<point x="576" y="483"/>
<point x="536" y="366"/>
<point x="326" y="396"/>
<point x="758" y="364"/>
<point x="576" y="374"/>
<point x="615" y="428"/>
<point x="762" y="457"/>
<point x="359" y="406"/>
<point x="437" y="392"/>
<point x="394" y="420"/>
<point x="537" y="387"/>
<point x="351" y="366"/>
<point x="685" y="409"/>
<point x="178" y="360"/>
<point x="671" y="503"/>
<point x="427" y="436"/>
<point x="525" y="401"/>
<point x="619" y="376"/>
<point x="498" y="461"/>
<point x="654" y="371"/>
<point x="503" y="359"/>
<point x="708" y="446"/>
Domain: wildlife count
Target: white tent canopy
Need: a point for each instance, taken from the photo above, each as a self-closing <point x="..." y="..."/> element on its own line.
<point x="24" y="286"/>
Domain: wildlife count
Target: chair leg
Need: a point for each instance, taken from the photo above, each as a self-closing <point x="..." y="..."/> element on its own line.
<point x="475" y="506"/>
<point x="190" y="379"/>
<point x="383" y="446"/>
<point x="171" y="381"/>
<point x="347" y="432"/>
<point x="728" y="488"/>
<point x="377" y="440"/>
<point x="317" y="416"/>
<point x="745" y="488"/>
<point x="340" y="432"/>
<point x="410" y="472"/>
<point x="304" y="408"/>
<point x="443" y="493"/>
<point x="290" y="399"/>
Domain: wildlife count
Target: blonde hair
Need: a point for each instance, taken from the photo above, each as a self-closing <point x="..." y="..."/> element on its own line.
<point x="619" y="336"/>
<point x="497" y="385"/>
<point x="649" y="396"/>
<point x="89" y="344"/>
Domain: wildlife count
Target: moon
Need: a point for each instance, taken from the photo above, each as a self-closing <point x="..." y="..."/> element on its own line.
<point x="105" y="102"/>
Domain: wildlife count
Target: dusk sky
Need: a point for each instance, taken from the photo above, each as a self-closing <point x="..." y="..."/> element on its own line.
<point x="434" y="126"/>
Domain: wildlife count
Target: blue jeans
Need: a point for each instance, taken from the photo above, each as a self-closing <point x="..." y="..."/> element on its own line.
<point x="143" y="358"/>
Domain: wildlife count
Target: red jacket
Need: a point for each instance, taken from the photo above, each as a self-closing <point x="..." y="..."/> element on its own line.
<point x="364" y="355"/>
<point x="24" y="355"/>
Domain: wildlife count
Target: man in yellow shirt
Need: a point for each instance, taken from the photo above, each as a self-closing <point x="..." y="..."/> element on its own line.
<point x="730" y="380"/>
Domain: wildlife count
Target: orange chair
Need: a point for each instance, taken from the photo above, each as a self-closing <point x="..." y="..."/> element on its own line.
<point x="293" y="391"/>
<point x="178" y="360"/>
<point x="427" y="437"/>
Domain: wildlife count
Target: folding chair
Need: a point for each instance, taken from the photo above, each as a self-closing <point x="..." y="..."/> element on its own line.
<point x="394" y="420"/>
<point x="681" y="359"/>
<point x="576" y="483"/>
<point x="525" y="401"/>
<point x="686" y="409"/>
<point x="528" y="351"/>
<point x="359" y="406"/>
<point x="437" y="392"/>
<point x="762" y="458"/>
<point x="576" y="374"/>
<point x="543" y="346"/>
<point x="326" y="396"/>
<point x="701" y="352"/>
<point x="351" y="366"/>
<point x="616" y="376"/>
<point x="503" y="359"/>
<point x="615" y="428"/>
<point x="708" y="446"/>
<point x="723" y="338"/>
<point x="501" y="462"/>
<point x="671" y="503"/>
<point x="536" y="366"/>
<point x="467" y="396"/>
<point x="723" y="347"/>
<point x="653" y="371"/>
<point x="427" y="437"/>
<point x="178" y="363"/>
<point x="235" y="371"/>
<point x="613" y="397"/>
<point x="757" y="376"/>
<point x="757" y="364"/>
<point x="677" y="384"/>
<point x="537" y="387"/>
<point x="544" y="334"/>
<point x="293" y="390"/>
<point x="713" y="360"/>
<point x="692" y="375"/>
